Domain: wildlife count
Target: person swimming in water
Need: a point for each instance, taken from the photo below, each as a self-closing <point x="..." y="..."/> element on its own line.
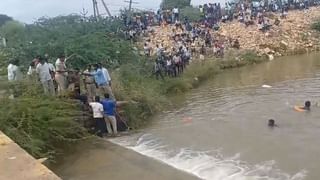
<point x="272" y="123"/>
<point x="307" y="105"/>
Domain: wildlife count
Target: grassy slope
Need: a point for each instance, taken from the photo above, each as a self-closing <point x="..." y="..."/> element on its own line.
<point x="38" y="123"/>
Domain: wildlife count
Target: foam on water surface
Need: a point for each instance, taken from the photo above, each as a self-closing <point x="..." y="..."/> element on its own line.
<point x="209" y="165"/>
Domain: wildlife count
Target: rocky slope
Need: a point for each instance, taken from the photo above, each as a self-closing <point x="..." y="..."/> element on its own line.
<point x="293" y="35"/>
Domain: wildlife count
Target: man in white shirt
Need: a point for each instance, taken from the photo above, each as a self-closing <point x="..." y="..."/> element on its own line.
<point x="147" y="50"/>
<point x="44" y="74"/>
<point x="13" y="72"/>
<point x="176" y="14"/>
<point x="97" y="110"/>
<point x="158" y="50"/>
<point x="51" y="66"/>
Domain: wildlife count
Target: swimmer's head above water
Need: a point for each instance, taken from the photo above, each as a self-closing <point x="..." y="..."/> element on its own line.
<point x="307" y="105"/>
<point x="271" y="123"/>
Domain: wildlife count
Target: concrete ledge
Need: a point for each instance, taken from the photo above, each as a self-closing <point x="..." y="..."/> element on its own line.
<point x="102" y="160"/>
<point x="16" y="164"/>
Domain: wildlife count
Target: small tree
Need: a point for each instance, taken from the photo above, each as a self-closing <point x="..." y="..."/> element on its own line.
<point x="4" y="18"/>
<point x="13" y="31"/>
<point x="316" y="25"/>
<point x="192" y="13"/>
<point x="169" y="4"/>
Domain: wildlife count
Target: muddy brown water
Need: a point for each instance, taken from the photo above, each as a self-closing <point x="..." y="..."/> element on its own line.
<point x="220" y="131"/>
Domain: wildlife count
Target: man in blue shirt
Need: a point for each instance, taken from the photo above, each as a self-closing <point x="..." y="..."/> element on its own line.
<point x="99" y="76"/>
<point x="109" y="108"/>
<point x="101" y="81"/>
<point x="108" y="79"/>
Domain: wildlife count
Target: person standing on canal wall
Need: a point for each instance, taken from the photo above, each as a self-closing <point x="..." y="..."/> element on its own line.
<point x="43" y="71"/>
<point x="89" y="84"/>
<point x="100" y="80"/>
<point x="109" y="107"/>
<point x="97" y="110"/>
<point x="61" y="74"/>
<point x="108" y="79"/>
<point x="14" y="73"/>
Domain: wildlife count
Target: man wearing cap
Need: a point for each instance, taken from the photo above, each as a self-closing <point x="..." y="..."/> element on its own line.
<point x="89" y="84"/>
<point x="61" y="74"/>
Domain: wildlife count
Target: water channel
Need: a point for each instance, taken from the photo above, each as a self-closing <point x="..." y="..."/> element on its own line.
<point x="220" y="131"/>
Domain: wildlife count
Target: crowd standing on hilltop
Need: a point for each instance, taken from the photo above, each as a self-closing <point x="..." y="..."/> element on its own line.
<point x="185" y="39"/>
<point x="215" y="13"/>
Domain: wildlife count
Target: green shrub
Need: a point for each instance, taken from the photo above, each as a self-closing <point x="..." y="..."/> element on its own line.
<point x="89" y="41"/>
<point x="133" y="82"/>
<point x="251" y="57"/>
<point x="316" y="25"/>
<point x="193" y="14"/>
<point x="176" y="86"/>
<point x="38" y="123"/>
<point x="169" y="4"/>
<point x="3" y="63"/>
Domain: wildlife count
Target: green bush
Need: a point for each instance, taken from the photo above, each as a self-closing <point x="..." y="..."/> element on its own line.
<point x="134" y="82"/>
<point x="3" y="63"/>
<point x="240" y="58"/>
<point x="4" y="18"/>
<point x="38" y="123"/>
<point x="90" y="41"/>
<point x="192" y="13"/>
<point x="251" y="57"/>
<point x="13" y="31"/>
<point x="316" y="25"/>
<point x="169" y="4"/>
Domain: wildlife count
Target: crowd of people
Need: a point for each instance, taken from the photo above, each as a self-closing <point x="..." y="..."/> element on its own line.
<point x="57" y="79"/>
<point x="212" y="15"/>
<point x="215" y="13"/>
<point x="171" y="63"/>
<point x="185" y="40"/>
